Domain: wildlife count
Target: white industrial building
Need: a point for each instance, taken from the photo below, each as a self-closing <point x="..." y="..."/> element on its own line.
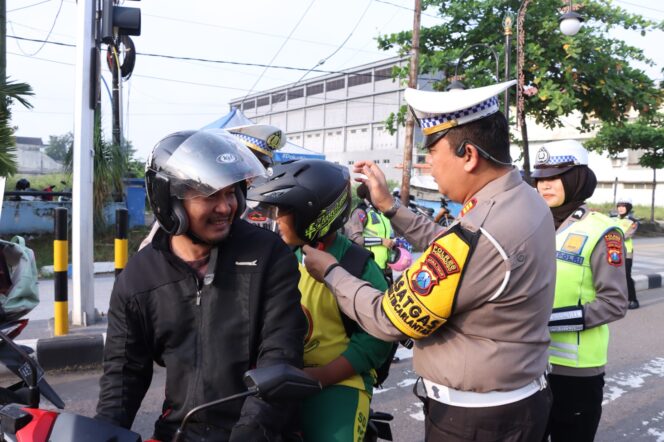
<point x="343" y="116"/>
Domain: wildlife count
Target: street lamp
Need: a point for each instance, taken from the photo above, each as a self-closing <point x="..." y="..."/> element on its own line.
<point x="570" y="21"/>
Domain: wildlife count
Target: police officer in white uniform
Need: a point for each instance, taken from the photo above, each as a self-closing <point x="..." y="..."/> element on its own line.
<point x="591" y="290"/>
<point x="478" y="300"/>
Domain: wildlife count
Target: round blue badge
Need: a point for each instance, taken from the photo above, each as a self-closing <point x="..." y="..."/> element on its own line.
<point x="423" y="280"/>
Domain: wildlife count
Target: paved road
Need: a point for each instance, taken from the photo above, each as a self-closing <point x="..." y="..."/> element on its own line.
<point x="634" y="393"/>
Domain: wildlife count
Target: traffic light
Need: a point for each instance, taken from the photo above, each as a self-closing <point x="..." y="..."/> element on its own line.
<point x="118" y="20"/>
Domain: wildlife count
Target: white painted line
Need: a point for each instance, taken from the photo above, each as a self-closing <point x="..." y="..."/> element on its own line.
<point x="621" y="383"/>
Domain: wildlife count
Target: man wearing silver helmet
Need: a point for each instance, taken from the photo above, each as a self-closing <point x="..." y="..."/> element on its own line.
<point x="209" y="298"/>
<point x="478" y="300"/>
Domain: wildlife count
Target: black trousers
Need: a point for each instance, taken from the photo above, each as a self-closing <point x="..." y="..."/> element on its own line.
<point x="631" y="291"/>
<point x="522" y="421"/>
<point x="577" y="407"/>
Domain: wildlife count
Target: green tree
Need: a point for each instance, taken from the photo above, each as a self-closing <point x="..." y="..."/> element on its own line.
<point x="646" y="134"/>
<point x="11" y="92"/>
<point x="591" y="72"/>
<point x="59" y="145"/>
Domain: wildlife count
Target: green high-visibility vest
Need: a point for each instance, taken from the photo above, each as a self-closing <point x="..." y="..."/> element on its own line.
<point x="574" y="286"/>
<point x="625" y="225"/>
<point x="379" y="226"/>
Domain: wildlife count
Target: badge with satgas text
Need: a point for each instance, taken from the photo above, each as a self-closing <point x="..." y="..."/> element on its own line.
<point x="423" y="297"/>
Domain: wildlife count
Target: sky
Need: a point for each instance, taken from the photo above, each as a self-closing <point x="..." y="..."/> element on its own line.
<point x="166" y="95"/>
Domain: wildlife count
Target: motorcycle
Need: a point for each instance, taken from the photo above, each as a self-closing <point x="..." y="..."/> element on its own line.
<point x="21" y="419"/>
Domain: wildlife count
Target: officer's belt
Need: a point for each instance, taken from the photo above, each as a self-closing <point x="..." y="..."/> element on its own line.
<point x="471" y="399"/>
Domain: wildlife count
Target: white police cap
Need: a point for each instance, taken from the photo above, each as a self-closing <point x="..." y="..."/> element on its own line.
<point x="557" y="157"/>
<point x="624" y="199"/>
<point x="440" y="111"/>
<point x="261" y="138"/>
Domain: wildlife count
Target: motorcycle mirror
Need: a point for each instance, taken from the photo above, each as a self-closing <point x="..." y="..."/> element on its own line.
<point x="275" y="382"/>
<point x="279" y="382"/>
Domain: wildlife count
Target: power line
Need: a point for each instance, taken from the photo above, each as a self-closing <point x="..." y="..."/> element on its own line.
<point x="43" y="42"/>
<point x="208" y="60"/>
<point x="249" y="31"/>
<point x="282" y="46"/>
<point x="322" y="61"/>
<point x="640" y="6"/>
<point x="28" y="6"/>
<point x="406" y="8"/>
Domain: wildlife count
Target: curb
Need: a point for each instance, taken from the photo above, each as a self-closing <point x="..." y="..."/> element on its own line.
<point x="66" y="352"/>
<point x="649" y="281"/>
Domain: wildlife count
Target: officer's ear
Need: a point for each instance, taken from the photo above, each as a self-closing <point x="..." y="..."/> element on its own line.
<point x="471" y="158"/>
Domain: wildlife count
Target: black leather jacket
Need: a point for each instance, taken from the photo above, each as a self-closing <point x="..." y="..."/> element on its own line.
<point x="249" y="316"/>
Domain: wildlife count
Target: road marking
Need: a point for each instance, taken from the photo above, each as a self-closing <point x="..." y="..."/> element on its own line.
<point x="620" y="383"/>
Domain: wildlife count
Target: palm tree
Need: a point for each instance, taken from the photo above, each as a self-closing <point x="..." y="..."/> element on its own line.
<point x="9" y="93"/>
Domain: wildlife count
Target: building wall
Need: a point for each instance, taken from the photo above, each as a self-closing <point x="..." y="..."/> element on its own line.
<point x="342" y="116"/>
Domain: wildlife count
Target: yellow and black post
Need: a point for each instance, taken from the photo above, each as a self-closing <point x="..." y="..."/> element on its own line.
<point x="121" y="243"/>
<point x="60" y="265"/>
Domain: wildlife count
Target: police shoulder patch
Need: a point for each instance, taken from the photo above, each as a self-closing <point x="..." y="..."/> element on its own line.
<point x="423" y="297"/>
<point x="614" y="248"/>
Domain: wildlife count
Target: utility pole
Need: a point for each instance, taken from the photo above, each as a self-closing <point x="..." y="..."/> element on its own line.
<point x="3" y="47"/>
<point x="410" y="122"/>
<point x="115" y="66"/>
<point x="83" y="308"/>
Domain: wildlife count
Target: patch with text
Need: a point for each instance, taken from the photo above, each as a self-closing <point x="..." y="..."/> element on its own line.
<point x="422" y="299"/>
<point x="614" y="248"/>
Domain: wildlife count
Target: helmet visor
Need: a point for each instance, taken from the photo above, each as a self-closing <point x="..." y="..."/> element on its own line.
<point x="209" y="161"/>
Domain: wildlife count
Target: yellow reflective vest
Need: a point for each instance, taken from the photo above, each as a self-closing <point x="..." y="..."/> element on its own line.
<point x="626" y="225"/>
<point x="379" y="226"/>
<point x="574" y="286"/>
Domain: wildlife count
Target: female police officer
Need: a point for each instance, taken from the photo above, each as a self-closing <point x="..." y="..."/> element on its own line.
<point x="591" y="290"/>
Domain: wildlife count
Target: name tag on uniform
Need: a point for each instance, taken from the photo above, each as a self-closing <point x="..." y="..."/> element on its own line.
<point x="569" y="257"/>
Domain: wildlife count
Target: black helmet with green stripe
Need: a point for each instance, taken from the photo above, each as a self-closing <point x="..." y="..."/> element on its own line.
<point x="317" y="192"/>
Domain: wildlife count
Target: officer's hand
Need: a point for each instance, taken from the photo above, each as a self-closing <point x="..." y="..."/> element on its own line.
<point x="387" y="242"/>
<point x="317" y="262"/>
<point x="381" y="197"/>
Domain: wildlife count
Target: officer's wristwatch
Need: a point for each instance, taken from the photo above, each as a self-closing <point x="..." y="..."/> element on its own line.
<point x="389" y="213"/>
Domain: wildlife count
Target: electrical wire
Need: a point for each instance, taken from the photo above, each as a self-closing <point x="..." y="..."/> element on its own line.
<point x="407" y="8"/>
<point x="55" y="20"/>
<point x="249" y="31"/>
<point x="640" y="6"/>
<point x="322" y="61"/>
<point x="208" y="60"/>
<point x="281" y="47"/>
<point x="28" y="6"/>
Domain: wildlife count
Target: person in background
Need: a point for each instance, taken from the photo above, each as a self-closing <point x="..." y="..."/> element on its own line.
<point x="591" y="290"/>
<point x="629" y="225"/>
<point x="369" y="228"/>
<point x="312" y="200"/>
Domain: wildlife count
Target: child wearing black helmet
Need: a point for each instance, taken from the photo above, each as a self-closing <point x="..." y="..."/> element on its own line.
<point x="312" y="201"/>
